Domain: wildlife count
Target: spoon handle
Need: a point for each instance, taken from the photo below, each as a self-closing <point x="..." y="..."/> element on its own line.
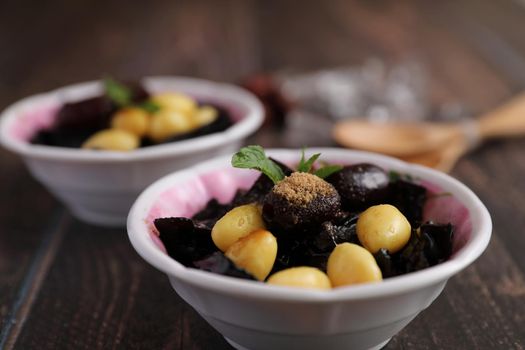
<point x="506" y="120"/>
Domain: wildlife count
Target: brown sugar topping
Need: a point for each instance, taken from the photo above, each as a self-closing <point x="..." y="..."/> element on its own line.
<point x="302" y="188"/>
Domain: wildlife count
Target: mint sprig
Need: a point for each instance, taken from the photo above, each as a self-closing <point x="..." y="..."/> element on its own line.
<point x="117" y="92"/>
<point x="327" y="170"/>
<point x="253" y="157"/>
<point x="306" y="166"/>
<point x="149" y="106"/>
<point x="396" y="176"/>
<point x="122" y="96"/>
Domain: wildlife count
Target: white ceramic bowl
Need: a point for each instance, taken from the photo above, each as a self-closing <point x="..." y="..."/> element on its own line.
<point x="252" y="315"/>
<point x="100" y="186"/>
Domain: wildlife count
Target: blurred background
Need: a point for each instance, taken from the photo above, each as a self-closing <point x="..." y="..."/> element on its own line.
<point x="315" y="63"/>
<point x="469" y="51"/>
<point x="384" y="60"/>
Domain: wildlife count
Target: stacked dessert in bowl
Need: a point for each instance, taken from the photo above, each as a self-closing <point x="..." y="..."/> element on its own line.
<point x="341" y="255"/>
<point x="97" y="145"/>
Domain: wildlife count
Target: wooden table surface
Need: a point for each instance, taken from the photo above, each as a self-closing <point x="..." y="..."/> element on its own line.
<point x="66" y="284"/>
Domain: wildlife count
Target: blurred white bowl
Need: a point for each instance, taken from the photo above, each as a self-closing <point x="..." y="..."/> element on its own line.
<point x="252" y="315"/>
<point x="100" y="186"/>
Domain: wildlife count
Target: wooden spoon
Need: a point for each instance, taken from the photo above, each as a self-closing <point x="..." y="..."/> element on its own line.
<point x="395" y="139"/>
<point x="405" y="140"/>
<point x="443" y="158"/>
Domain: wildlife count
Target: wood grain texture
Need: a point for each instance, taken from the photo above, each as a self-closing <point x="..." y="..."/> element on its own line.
<point x="100" y="294"/>
<point x="97" y="293"/>
<point x="25" y="212"/>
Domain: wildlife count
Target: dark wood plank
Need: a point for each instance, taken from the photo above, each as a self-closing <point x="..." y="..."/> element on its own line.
<point x="100" y="294"/>
<point x="496" y="170"/>
<point x="25" y="213"/>
<point x="20" y="307"/>
<point x="493" y="30"/>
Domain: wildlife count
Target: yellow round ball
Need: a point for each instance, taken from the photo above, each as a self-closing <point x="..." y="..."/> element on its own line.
<point x="301" y="277"/>
<point x="254" y="253"/>
<point x="235" y="224"/>
<point x="175" y="101"/>
<point x="132" y="119"/>
<point x="352" y="264"/>
<point x="168" y="123"/>
<point x="112" y="140"/>
<point x="205" y="115"/>
<point x="383" y="226"/>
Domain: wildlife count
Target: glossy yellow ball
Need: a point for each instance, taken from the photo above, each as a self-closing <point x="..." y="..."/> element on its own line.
<point x="301" y="277"/>
<point x="168" y="123"/>
<point x="383" y="226"/>
<point x="254" y="253"/>
<point x="235" y="224"/>
<point x="132" y="119"/>
<point x="112" y="140"/>
<point x="352" y="264"/>
<point x="175" y="101"/>
<point x="205" y="115"/>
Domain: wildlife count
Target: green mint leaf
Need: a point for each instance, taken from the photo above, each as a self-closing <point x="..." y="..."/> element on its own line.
<point x="327" y="170"/>
<point x="253" y="157"/>
<point x="394" y="176"/>
<point x="310" y="162"/>
<point x="117" y="92"/>
<point x="149" y="106"/>
<point x="306" y="166"/>
<point x="302" y="161"/>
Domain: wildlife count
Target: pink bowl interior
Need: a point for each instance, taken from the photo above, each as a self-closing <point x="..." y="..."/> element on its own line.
<point x="31" y="121"/>
<point x="187" y="198"/>
<point x="41" y="116"/>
